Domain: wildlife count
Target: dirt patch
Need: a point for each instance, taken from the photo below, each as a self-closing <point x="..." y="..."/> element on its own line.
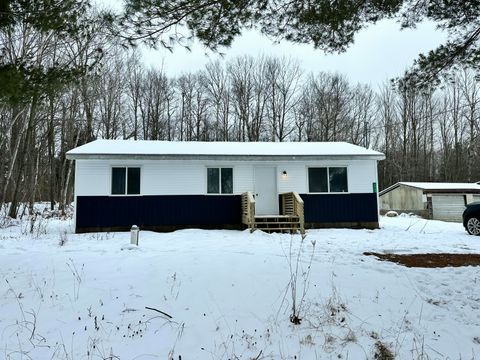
<point x="429" y="260"/>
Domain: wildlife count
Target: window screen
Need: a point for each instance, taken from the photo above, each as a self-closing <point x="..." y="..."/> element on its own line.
<point x="125" y="180"/>
<point x="317" y="180"/>
<point x="213" y="180"/>
<point x="118" y="181"/>
<point x="227" y="181"/>
<point x="338" y="179"/>
<point x="133" y="181"/>
<point x="219" y="180"/>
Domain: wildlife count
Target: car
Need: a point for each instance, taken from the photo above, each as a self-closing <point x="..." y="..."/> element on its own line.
<point x="471" y="218"/>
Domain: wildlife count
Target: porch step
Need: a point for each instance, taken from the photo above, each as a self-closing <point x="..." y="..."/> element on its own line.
<point x="292" y="204"/>
<point x="277" y="223"/>
<point x="280" y="230"/>
<point x="279" y="218"/>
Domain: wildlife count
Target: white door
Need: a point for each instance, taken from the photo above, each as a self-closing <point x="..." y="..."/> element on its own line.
<point x="448" y="207"/>
<point x="266" y="196"/>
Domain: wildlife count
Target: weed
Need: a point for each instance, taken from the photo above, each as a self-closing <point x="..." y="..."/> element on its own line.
<point x="77" y="277"/>
<point x="36" y="225"/>
<point x="5" y="221"/>
<point x="308" y="340"/>
<point x="382" y="352"/>
<point x="299" y="279"/>
<point x="418" y="348"/>
<point x="335" y="308"/>
<point x="350" y="337"/>
<point x="63" y="238"/>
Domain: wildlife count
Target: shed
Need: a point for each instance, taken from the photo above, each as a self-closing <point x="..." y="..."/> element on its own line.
<point x="163" y="186"/>
<point x="432" y="200"/>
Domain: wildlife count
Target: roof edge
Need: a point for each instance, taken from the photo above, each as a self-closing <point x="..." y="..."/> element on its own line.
<point x="73" y="156"/>
<point x="390" y="188"/>
<point x="430" y="191"/>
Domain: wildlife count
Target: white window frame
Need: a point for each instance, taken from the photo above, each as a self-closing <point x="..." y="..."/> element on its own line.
<point x="126" y="167"/>
<point x="219" y="179"/>
<point x="328" y="179"/>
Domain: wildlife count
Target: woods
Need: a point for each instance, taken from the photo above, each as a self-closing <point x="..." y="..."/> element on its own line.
<point x="426" y="135"/>
<point x="68" y="81"/>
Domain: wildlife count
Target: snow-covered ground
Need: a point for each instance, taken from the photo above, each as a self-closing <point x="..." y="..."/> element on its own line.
<point x="229" y="294"/>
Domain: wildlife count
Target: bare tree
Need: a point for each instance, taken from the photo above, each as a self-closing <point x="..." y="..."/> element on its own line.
<point x="217" y="87"/>
<point x="427" y="135"/>
<point x="283" y="81"/>
<point x="471" y="95"/>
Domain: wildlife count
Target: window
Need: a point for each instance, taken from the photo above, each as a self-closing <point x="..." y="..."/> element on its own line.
<point x="333" y="179"/>
<point x="125" y="180"/>
<point x="317" y="180"/>
<point x="337" y="177"/>
<point x="118" y="181"/>
<point x="219" y="180"/>
<point x="133" y="181"/>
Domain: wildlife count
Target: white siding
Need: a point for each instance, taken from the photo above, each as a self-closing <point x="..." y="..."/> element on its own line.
<point x="189" y="177"/>
<point x="243" y="178"/>
<point x="296" y="179"/>
<point x="172" y="178"/>
<point x="92" y="178"/>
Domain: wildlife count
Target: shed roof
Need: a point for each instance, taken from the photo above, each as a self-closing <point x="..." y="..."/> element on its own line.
<point x="442" y="187"/>
<point x="197" y="149"/>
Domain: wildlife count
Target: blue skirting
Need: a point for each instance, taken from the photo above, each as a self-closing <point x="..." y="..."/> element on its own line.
<point x="170" y="212"/>
<point x="339" y="208"/>
<point x="150" y="212"/>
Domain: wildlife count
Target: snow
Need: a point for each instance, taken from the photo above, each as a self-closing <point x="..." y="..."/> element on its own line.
<point x="149" y="147"/>
<point x="442" y="186"/>
<point x="391" y="213"/>
<point x="436" y="186"/>
<point x="229" y="297"/>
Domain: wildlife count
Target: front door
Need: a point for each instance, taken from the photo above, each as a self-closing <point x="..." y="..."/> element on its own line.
<point x="266" y="197"/>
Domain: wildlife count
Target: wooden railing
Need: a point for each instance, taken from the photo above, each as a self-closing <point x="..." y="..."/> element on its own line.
<point x="292" y="204"/>
<point x="248" y="210"/>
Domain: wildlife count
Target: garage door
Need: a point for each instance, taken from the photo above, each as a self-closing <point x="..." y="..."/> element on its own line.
<point x="476" y="197"/>
<point x="448" y="207"/>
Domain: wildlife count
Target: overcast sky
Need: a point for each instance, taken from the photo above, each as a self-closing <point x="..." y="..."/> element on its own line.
<point x="380" y="52"/>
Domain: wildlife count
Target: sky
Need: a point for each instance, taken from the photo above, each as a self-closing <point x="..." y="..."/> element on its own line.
<point x="380" y="52"/>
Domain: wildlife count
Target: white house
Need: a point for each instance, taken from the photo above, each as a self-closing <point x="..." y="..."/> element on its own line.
<point x="432" y="200"/>
<point x="160" y="185"/>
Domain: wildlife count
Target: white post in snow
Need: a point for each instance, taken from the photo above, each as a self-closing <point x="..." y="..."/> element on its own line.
<point x="134" y="232"/>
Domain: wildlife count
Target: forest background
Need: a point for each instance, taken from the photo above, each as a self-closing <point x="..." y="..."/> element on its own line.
<point x="70" y="74"/>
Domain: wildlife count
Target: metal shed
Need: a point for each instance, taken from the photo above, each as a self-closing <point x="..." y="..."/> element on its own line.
<point x="439" y="201"/>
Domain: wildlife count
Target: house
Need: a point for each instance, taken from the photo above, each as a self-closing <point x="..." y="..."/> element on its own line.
<point x="439" y="201"/>
<point x="163" y="186"/>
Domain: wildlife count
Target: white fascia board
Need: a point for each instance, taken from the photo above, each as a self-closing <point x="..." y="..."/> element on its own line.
<point x="222" y="157"/>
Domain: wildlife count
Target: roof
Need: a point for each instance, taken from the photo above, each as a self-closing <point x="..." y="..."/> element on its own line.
<point x="440" y="187"/>
<point x="196" y="149"/>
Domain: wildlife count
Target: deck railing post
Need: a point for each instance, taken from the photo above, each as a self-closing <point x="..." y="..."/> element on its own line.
<point x="248" y="210"/>
<point x="292" y="204"/>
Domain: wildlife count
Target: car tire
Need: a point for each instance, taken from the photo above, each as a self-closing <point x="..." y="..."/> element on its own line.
<point x="473" y="226"/>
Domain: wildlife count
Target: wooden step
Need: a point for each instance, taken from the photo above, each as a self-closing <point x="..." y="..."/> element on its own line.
<point x="277" y="222"/>
<point x="279" y="230"/>
<point x="279" y="225"/>
<point x="272" y="219"/>
<point x="275" y="216"/>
